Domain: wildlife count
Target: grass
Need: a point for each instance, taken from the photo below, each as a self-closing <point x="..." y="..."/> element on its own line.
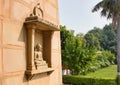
<point x="105" y="76"/>
<point x="108" y="72"/>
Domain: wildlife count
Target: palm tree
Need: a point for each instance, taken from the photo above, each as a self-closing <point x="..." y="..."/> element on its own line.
<point x="111" y="9"/>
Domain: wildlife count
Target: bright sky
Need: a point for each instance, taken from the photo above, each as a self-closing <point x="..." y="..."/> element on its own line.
<point x="77" y="15"/>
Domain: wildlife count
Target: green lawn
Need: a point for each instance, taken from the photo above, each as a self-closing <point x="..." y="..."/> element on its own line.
<point x="108" y="72"/>
<point x="105" y="76"/>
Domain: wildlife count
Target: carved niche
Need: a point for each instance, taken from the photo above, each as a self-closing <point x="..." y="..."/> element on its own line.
<point x="39" y="35"/>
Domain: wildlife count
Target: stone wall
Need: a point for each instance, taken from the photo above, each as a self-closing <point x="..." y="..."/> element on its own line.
<point x="13" y="42"/>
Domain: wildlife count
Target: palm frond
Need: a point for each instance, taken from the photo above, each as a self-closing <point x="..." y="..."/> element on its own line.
<point x="109" y="15"/>
<point x="104" y="12"/>
<point x="110" y="9"/>
<point x="97" y="7"/>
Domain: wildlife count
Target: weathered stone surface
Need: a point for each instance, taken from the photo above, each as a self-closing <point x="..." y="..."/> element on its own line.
<point x="6" y="8"/>
<point x="0" y="49"/>
<point x="50" y="10"/>
<point x="16" y="80"/>
<point x="41" y="79"/>
<point x="19" y="11"/>
<point x="55" y="58"/>
<point x="54" y="77"/>
<point x="29" y="1"/>
<point x="15" y="32"/>
<point x="0" y="63"/>
<point x="0" y="31"/>
<point x="0" y="81"/>
<point x="14" y="60"/>
<point x="1" y="7"/>
<point x="53" y="2"/>
<point x="55" y="42"/>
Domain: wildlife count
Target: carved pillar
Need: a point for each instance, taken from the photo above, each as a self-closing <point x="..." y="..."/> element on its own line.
<point x="30" y="47"/>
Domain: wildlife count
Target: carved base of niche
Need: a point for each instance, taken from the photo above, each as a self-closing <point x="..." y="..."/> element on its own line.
<point x="39" y="68"/>
<point x="41" y="65"/>
<point x="31" y="73"/>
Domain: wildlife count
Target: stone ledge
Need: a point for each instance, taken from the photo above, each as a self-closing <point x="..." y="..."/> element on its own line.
<point x="31" y="73"/>
<point x="41" y="23"/>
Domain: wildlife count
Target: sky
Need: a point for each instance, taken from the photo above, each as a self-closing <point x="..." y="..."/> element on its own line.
<point x="77" y="15"/>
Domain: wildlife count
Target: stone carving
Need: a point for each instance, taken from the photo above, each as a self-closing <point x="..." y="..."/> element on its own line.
<point x="38" y="59"/>
<point x="37" y="11"/>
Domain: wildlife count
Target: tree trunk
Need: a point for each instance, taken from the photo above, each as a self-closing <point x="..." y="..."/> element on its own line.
<point x="118" y="52"/>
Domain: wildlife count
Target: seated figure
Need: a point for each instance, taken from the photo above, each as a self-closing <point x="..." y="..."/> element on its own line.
<point x="38" y="54"/>
<point x="38" y="57"/>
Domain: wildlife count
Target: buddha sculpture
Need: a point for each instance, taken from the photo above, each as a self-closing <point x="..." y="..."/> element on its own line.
<point x="38" y="57"/>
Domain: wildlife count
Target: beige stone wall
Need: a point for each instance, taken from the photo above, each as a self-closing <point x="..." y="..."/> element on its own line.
<point x="13" y="42"/>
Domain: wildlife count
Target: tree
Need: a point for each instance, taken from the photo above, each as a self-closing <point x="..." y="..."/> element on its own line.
<point x="102" y="39"/>
<point x="75" y="56"/>
<point x="109" y="39"/>
<point x="82" y="54"/>
<point x="111" y="9"/>
<point x="93" y="38"/>
<point x="65" y="35"/>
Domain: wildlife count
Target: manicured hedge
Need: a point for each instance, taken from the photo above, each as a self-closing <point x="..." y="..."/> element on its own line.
<point x="83" y="80"/>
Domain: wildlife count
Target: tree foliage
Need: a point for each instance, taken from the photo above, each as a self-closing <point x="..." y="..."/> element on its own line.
<point x="109" y="39"/>
<point x="102" y="39"/>
<point x="83" y="53"/>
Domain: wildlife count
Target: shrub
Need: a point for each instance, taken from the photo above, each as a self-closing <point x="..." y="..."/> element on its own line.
<point x="86" y="80"/>
<point x="101" y="60"/>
